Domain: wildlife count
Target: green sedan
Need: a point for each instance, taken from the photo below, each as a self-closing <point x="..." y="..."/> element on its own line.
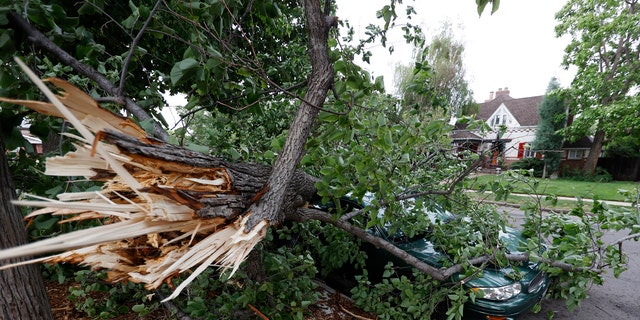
<point x="503" y="297"/>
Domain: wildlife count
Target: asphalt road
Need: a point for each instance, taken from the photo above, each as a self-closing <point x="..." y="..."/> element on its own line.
<point x="617" y="298"/>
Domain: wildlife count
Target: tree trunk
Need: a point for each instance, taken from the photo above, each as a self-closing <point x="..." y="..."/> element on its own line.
<point x="23" y="291"/>
<point x="594" y="153"/>
<point x="52" y="143"/>
<point x="321" y="78"/>
<point x="247" y="179"/>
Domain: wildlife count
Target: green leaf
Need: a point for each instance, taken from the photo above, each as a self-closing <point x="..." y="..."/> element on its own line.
<point x="379" y="83"/>
<point x="235" y="155"/>
<point x="197" y="147"/>
<point x="5" y="41"/>
<point x="138" y="308"/>
<point x="183" y="70"/>
<point x="45" y="224"/>
<point x="147" y="126"/>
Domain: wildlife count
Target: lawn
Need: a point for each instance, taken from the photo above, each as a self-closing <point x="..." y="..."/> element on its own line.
<point x="567" y="188"/>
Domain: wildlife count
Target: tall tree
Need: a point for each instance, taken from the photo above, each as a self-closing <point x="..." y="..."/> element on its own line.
<point x="549" y="140"/>
<point x="439" y="68"/>
<point x="605" y="49"/>
<point x="23" y="291"/>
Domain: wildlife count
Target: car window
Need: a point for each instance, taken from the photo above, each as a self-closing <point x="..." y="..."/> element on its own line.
<point x="422" y="206"/>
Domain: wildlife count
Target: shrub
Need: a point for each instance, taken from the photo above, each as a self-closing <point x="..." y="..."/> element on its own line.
<point x="529" y="163"/>
<point x="600" y="175"/>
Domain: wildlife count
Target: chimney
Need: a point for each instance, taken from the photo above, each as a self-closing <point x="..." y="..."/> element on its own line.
<point x="490" y="96"/>
<point x="502" y="92"/>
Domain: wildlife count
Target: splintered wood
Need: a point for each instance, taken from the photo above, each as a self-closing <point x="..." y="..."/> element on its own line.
<point x="159" y="217"/>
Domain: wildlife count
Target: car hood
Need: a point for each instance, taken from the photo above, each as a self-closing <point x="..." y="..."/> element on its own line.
<point x="425" y="250"/>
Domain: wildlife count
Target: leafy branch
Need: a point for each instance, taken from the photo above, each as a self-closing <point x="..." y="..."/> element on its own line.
<point x="40" y="40"/>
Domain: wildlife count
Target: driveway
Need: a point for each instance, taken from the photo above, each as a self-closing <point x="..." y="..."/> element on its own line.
<point x="616" y="299"/>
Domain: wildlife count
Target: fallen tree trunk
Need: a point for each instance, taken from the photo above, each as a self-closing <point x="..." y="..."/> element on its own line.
<point x="165" y="209"/>
<point x="243" y="182"/>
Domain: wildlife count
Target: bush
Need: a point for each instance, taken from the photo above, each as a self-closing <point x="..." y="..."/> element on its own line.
<point x="529" y="163"/>
<point x="600" y="175"/>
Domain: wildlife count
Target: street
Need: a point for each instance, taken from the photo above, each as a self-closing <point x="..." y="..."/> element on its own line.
<point x="616" y="299"/>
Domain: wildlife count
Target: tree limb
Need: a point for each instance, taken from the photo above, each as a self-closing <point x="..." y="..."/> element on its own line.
<point x="40" y="40"/>
<point x="125" y="64"/>
<point x="440" y="274"/>
<point x="320" y="81"/>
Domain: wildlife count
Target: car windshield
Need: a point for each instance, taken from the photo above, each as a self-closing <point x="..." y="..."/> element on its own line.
<point x="420" y="213"/>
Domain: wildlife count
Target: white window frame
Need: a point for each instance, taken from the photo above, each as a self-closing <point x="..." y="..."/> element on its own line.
<point x="575" y="154"/>
<point x="528" y="153"/>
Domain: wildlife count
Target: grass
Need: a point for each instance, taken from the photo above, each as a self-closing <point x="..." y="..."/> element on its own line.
<point x="521" y="199"/>
<point x="567" y="188"/>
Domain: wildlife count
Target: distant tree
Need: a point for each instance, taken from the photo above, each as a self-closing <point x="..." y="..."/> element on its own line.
<point x="605" y="48"/>
<point x="439" y="68"/>
<point x="552" y="119"/>
<point x="624" y="147"/>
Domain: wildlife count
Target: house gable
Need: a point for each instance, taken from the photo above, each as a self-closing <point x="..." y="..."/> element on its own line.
<point x="523" y="111"/>
<point x="502" y="117"/>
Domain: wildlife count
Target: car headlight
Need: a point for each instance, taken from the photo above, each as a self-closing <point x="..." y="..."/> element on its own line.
<point x="499" y="293"/>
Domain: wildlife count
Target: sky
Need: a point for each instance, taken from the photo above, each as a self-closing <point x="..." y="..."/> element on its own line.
<point x="515" y="47"/>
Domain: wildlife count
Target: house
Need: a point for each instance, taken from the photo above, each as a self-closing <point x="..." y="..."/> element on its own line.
<point x="35" y="142"/>
<point x="513" y="124"/>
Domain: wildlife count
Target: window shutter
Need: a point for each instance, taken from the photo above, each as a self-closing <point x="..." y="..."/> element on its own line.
<point x="521" y="150"/>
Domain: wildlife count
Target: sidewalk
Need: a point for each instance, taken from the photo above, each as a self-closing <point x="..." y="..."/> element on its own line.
<point x="609" y="202"/>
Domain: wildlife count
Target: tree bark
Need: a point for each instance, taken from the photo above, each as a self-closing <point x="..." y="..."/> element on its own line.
<point x="23" y="292"/>
<point x="247" y="180"/>
<point x="320" y="81"/>
<point x="594" y="152"/>
<point x="52" y="143"/>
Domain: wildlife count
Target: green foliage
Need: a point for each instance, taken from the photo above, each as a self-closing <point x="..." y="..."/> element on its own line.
<point x="284" y="292"/>
<point x="535" y="164"/>
<point x="604" y="50"/>
<point x="330" y="248"/>
<point x="552" y="114"/>
<point x="101" y="300"/>
<point x="599" y="175"/>
<point x="436" y="80"/>
<point x="461" y="243"/>
<point x="495" y="4"/>
<point x="226" y="134"/>
<point x="286" y="289"/>
<point x="378" y="149"/>
<point x="623" y="147"/>
<point x="400" y="297"/>
<point x="252" y="56"/>
<point x="575" y="239"/>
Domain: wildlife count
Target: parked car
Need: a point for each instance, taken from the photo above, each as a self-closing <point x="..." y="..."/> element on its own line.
<point x="503" y="297"/>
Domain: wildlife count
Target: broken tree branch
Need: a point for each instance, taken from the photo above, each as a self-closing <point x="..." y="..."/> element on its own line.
<point x="40" y="40"/>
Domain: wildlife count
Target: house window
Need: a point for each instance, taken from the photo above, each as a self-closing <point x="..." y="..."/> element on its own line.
<point x="528" y="153"/>
<point x="575" y="154"/>
<point x="499" y="120"/>
<point x="524" y="150"/>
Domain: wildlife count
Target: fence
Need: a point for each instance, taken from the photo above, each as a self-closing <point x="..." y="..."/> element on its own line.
<point x="625" y="169"/>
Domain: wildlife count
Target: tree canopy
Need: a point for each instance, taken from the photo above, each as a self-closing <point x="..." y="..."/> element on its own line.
<point x="552" y="114"/>
<point x="604" y="49"/>
<point x="438" y="68"/>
